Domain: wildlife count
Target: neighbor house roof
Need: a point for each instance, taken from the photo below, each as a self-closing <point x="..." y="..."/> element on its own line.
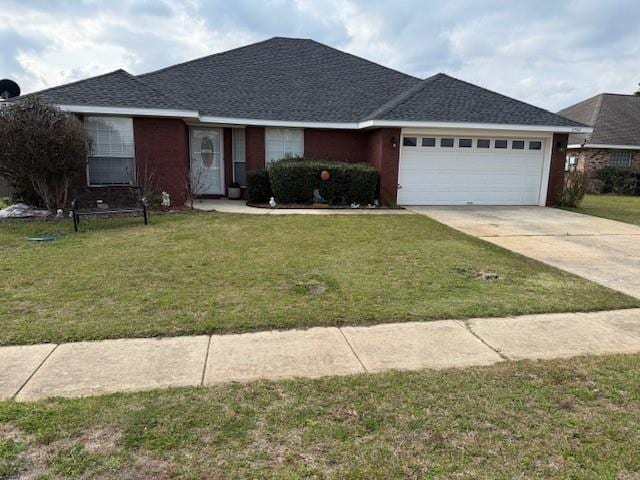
<point x="615" y="120"/>
<point x="298" y="80"/>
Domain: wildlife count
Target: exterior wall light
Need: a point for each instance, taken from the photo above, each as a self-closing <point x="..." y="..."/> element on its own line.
<point x="394" y="142"/>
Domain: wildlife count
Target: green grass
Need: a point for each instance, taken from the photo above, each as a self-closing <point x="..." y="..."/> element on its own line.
<point x="615" y="207"/>
<point x="563" y="419"/>
<point x="204" y="273"/>
<point x="4" y="202"/>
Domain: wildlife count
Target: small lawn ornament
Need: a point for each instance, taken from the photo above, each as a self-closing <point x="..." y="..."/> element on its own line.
<point x="325" y="175"/>
<point x="166" y="199"/>
<point x="59" y="213"/>
<point x="272" y="202"/>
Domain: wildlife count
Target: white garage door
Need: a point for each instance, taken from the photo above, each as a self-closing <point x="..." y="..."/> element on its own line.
<point x="469" y="171"/>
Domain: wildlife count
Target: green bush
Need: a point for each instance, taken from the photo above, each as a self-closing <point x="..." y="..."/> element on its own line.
<point x="258" y="186"/>
<point x="293" y="180"/>
<point x="620" y="180"/>
<point x="573" y="189"/>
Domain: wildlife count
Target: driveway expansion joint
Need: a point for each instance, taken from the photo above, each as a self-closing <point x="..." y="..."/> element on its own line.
<point x="354" y="351"/>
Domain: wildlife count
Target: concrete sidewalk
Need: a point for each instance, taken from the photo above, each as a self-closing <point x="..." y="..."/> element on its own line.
<point x="224" y="205"/>
<point x="87" y="368"/>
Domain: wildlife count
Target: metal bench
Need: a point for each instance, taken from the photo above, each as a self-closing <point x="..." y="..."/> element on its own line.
<point x="91" y="201"/>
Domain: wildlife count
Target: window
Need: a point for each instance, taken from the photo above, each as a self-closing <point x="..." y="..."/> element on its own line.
<point x="282" y="143"/>
<point x="484" y="143"/>
<point x="409" y="141"/>
<point x="620" y="158"/>
<point x="570" y="163"/>
<point x="446" y="142"/>
<point x="111" y="158"/>
<point x="500" y="144"/>
<point x="428" y="142"/>
<point x="517" y="144"/>
<point x="535" y="145"/>
<point x="465" y="142"/>
<point x="239" y="157"/>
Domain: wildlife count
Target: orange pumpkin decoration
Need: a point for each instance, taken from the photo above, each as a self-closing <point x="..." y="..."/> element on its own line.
<point x="325" y="175"/>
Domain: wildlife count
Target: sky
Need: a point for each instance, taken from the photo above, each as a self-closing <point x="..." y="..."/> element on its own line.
<point x="551" y="53"/>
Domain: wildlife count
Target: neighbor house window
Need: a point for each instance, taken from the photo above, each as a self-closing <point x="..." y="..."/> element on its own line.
<point x="446" y="142"/>
<point x="484" y="143"/>
<point x="111" y="156"/>
<point x="620" y="158"/>
<point x="283" y="143"/>
<point x="239" y="157"/>
<point x="409" y="141"/>
<point x="500" y="144"/>
<point x="428" y="142"/>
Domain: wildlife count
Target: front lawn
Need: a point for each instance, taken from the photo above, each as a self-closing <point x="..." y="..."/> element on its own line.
<point x="615" y="207"/>
<point x="564" y="419"/>
<point x="204" y="273"/>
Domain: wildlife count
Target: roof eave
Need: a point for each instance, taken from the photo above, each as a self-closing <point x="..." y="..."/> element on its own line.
<point x="130" y="111"/>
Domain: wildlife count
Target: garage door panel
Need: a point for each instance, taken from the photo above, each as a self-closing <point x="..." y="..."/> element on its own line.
<point x="469" y="176"/>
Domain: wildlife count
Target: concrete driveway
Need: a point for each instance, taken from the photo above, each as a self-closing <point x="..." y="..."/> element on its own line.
<point x="604" y="251"/>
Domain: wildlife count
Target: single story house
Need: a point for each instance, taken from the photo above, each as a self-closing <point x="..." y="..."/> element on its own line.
<point x="438" y="140"/>
<point x="615" y="139"/>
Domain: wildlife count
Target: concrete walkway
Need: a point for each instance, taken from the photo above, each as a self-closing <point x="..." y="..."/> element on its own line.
<point x="224" y="205"/>
<point x="89" y="368"/>
<point x="603" y="251"/>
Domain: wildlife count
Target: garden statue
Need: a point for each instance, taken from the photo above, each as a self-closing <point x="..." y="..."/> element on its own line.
<point x="166" y="199"/>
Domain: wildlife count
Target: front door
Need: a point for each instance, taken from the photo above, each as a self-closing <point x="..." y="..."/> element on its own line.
<point x="207" y="176"/>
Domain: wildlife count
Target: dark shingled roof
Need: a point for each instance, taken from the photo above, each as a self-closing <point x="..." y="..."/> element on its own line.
<point x="442" y="98"/>
<point x="286" y="79"/>
<point x="114" y="89"/>
<point x="615" y="119"/>
<point x="283" y="79"/>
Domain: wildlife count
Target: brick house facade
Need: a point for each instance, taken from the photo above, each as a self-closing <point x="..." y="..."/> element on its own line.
<point x="592" y="160"/>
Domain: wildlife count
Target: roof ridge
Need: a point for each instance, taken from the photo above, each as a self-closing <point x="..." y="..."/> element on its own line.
<point x="401" y="97"/>
<point x="506" y="96"/>
<point x="194" y="60"/>
<point x="64" y="85"/>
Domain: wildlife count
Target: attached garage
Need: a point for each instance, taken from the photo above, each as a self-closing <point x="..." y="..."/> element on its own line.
<point x="448" y="169"/>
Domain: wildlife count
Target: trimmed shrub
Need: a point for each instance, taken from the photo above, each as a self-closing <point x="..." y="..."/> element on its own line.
<point x="258" y="186"/>
<point x="293" y="180"/>
<point x="620" y="180"/>
<point x="573" y="189"/>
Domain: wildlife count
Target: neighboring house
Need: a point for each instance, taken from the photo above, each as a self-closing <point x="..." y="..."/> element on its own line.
<point x="434" y="141"/>
<point x="615" y="140"/>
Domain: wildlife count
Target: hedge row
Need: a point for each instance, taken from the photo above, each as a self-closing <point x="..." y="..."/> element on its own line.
<point x="294" y="180"/>
<point x="619" y="180"/>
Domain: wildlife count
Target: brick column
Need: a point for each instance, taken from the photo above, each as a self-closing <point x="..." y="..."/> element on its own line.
<point x="556" y="169"/>
<point x="254" y="136"/>
<point x="386" y="158"/>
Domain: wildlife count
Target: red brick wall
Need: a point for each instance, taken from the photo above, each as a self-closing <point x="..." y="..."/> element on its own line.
<point x="386" y="158"/>
<point x="592" y="160"/>
<point x="254" y="138"/>
<point x="339" y="145"/>
<point x="556" y="170"/>
<point x="162" y="149"/>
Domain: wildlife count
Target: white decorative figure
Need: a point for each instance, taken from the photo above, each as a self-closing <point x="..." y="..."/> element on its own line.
<point x="59" y="213"/>
<point x="272" y="202"/>
<point x="166" y="199"/>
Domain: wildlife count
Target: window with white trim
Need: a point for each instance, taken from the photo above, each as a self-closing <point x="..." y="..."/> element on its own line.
<point x="111" y="155"/>
<point x="239" y="157"/>
<point x="282" y="143"/>
<point x="620" y="158"/>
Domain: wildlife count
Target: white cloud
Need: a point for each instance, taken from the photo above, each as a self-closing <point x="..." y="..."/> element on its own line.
<point x="542" y="51"/>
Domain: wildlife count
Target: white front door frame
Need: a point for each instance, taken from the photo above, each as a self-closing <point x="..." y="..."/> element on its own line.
<point x="221" y="190"/>
<point x="506" y="134"/>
